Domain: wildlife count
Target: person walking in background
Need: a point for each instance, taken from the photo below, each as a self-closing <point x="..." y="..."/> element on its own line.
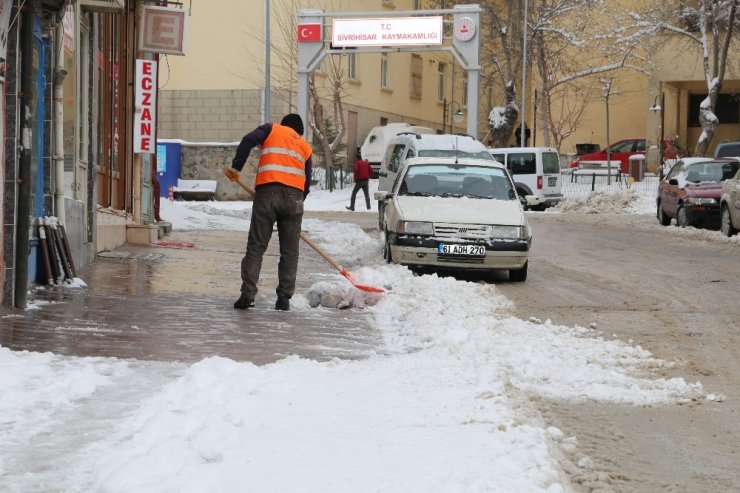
<point x="362" y="172"/>
<point x="282" y="183"/>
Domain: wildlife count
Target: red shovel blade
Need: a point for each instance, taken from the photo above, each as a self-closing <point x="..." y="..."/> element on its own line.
<point x="359" y="285"/>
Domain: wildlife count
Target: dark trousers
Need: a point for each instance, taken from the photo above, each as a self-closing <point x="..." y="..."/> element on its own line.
<point x="273" y="203"/>
<point x="361" y="184"/>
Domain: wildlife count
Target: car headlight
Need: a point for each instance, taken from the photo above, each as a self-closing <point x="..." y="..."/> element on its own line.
<point x="702" y="201"/>
<point x="415" y="228"/>
<point x="510" y="232"/>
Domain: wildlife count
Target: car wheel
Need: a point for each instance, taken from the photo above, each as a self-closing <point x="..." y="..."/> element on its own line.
<point x="726" y="223"/>
<point x="662" y="218"/>
<point x="387" y="249"/>
<point x="518" y="275"/>
<point x="682" y="218"/>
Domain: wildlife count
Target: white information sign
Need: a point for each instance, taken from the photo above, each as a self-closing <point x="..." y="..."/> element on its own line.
<point x="393" y="31"/>
<point x="145" y="104"/>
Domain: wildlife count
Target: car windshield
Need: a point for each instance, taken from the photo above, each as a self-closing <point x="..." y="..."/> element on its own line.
<point x="711" y="171"/>
<point x="455" y="153"/>
<point x="457" y="180"/>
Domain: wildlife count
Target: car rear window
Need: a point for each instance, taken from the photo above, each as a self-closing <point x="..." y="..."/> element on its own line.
<point x="522" y="163"/>
<point x="458" y="180"/>
<point x="728" y="150"/>
<point x="550" y="163"/>
<point x="711" y="171"/>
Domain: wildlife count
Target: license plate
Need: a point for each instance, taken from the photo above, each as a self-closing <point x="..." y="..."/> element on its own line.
<point x="552" y="181"/>
<point x="454" y="249"/>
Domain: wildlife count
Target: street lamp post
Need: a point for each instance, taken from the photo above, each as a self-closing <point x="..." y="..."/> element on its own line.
<point x="457" y="117"/>
<point x="655" y="108"/>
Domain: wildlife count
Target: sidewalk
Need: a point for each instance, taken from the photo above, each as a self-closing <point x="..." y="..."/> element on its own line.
<point x="169" y="304"/>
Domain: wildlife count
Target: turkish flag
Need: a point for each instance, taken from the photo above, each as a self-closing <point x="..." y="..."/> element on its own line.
<point x="308" y="33"/>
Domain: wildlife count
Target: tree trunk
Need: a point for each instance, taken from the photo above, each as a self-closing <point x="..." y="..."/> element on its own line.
<point x="502" y="135"/>
<point x="708" y="121"/>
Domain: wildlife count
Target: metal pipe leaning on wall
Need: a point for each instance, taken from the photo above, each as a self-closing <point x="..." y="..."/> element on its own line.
<point x="60" y="254"/>
<point x="49" y="274"/>
<point x="53" y="255"/>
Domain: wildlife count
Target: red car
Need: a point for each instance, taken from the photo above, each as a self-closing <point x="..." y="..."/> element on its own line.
<point x="691" y="191"/>
<point x="621" y="151"/>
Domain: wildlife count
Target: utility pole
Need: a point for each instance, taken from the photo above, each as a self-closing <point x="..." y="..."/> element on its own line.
<point x="523" y="111"/>
<point x="607" y="91"/>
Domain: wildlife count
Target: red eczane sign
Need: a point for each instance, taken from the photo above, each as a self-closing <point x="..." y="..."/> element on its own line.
<point x="145" y="105"/>
<point x="309" y="33"/>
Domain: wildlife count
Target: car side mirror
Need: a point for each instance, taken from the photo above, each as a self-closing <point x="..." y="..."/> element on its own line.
<point x="382" y="195"/>
<point x="512" y="194"/>
<point x="673" y="182"/>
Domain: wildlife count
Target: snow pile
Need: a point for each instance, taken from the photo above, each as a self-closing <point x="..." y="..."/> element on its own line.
<point x="446" y="405"/>
<point x="387" y="424"/>
<point x="617" y="202"/>
<point x="450" y="410"/>
<point x="469" y="322"/>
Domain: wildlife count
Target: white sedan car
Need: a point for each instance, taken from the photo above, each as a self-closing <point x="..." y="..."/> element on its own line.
<point x="453" y="213"/>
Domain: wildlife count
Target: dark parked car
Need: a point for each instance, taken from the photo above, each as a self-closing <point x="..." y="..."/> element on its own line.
<point x="691" y="191"/>
<point x="730" y="206"/>
<point x="727" y="149"/>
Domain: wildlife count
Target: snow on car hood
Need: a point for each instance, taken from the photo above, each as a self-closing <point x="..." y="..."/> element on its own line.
<point x="461" y="210"/>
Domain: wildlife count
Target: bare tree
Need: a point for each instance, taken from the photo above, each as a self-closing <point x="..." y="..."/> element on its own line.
<point x="283" y="50"/>
<point x="706" y="26"/>
<point x="559" y="32"/>
<point x="501" y="61"/>
<point x="328" y="89"/>
<point x="570" y="49"/>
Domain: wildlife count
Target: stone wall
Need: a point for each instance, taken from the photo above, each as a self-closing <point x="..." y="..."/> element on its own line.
<point x="207" y="162"/>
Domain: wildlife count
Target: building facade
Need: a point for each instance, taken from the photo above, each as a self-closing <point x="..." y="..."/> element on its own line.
<point x="216" y="92"/>
<point x="68" y="96"/>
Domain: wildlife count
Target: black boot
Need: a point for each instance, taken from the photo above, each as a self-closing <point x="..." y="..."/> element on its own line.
<point x="243" y="302"/>
<point x="282" y="303"/>
<point x="349" y="208"/>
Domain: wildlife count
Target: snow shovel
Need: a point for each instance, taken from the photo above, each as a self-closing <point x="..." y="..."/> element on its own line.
<point x="232" y="173"/>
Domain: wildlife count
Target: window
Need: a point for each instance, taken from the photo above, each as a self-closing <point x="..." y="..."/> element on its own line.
<point x="352" y="66"/>
<point x="550" y="163"/>
<point x="523" y="163"/>
<point x="441" y="81"/>
<point x="384" y="70"/>
<point x="727" y="108"/>
<point x="383" y="121"/>
<point x="395" y="157"/>
<point x="416" y="70"/>
<point x="625" y="146"/>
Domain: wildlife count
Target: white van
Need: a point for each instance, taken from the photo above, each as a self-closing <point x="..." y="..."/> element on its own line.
<point x="373" y="149"/>
<point x="536" y="173"/>
<point x="409" y="145"/>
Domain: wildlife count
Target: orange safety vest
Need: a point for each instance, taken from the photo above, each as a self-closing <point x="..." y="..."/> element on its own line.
<point x="283" y="158"/>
